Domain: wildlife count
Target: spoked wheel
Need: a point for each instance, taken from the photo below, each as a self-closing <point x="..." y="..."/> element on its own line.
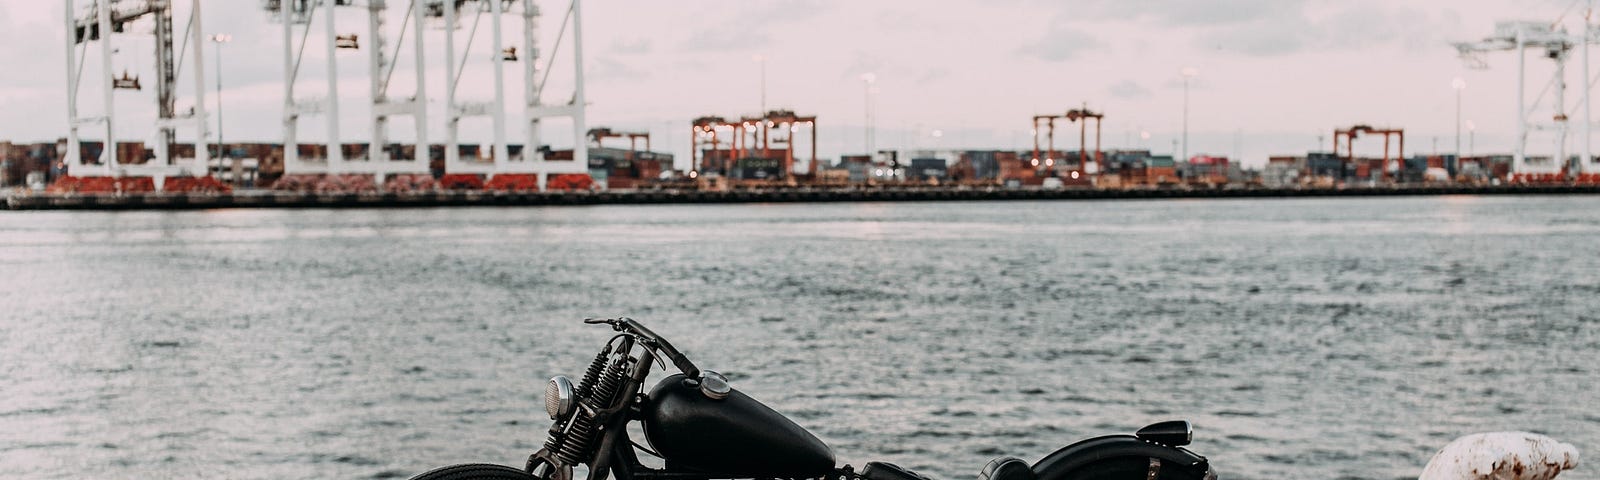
<point x="475" y="471"/>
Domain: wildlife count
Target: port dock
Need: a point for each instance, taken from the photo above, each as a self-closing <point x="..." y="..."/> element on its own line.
<point x="271" y="199"/>
<point x="732" y="157"/>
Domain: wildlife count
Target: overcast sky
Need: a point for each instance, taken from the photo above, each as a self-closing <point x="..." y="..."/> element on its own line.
<point x="1274" y="75"/>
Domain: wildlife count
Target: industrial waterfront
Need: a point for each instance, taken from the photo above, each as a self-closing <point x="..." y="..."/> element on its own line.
<point x="310" y="298"/>
<point x="1316" y="338"/>
<point x="767" y="154"/>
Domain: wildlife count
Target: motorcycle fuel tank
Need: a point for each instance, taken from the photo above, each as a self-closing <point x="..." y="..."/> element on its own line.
<point x="735" y="436"/>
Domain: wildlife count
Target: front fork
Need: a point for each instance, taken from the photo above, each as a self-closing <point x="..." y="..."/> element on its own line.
<point x="613" y="427"/>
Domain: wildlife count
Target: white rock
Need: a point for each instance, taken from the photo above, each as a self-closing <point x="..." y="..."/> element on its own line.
<point x="1501" y="456"/>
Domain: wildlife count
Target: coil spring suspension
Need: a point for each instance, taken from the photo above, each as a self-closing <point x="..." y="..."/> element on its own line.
<point x="581" y="435"/>
<point x="591" y="375"/>
<point x="558" y="435"/>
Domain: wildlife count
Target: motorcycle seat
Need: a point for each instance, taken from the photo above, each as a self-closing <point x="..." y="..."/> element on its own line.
<point x="1006" y="468"/>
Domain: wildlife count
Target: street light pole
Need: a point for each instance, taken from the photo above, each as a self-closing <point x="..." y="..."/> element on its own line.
<point x="1472" y="136"/>
<point x="1459" y="85"/>
<point x="219" y="39"/>
<point x="867" y="79"/>
<point x="763" y="61"/>
<point x="1188" y="72"/>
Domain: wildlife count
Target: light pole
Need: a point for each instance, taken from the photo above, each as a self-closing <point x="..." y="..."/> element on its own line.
<point x="763" y="61"/>
<point x="1472" y="131"/>
<point x="867" y="79"/>
<point x="219" y="39"/>
<point x="1188" y="73"/>
<point x="1459" y="85"/>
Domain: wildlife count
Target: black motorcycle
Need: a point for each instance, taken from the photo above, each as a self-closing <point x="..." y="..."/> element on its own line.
<point x="704" y="429"/>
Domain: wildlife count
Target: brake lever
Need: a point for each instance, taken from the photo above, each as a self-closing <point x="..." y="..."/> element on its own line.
<point x="645" y="336"/>
<point x="615" y="324"/>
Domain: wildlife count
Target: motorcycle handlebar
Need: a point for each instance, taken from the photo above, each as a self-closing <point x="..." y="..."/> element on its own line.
<point x="632" y="326"/>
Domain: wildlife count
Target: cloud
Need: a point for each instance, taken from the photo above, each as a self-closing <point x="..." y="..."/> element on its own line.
<point x="1061" y="43"/>
<point x="884" y="69"/>
<point x="1338" y="27"/>
<point x="605" y="69"/>
<point x="907" y="20"/>
<point x="1264" y="40"/>
<point x="768" y="13"/>
<point x="749" y="26"/>
<point x="1273" y="28"/>
<point x="1175" y="82"/>
<point x="1128" y="89"/>
<point x="1191" y="12"/>
<point x="38" y="65"/>
<point x="932" y="75"/>
<point x="723" y="40"/>
<point x="637" y="46"/>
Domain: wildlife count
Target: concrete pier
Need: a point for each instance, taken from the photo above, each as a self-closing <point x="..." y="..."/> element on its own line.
<point x="269" y="199"/>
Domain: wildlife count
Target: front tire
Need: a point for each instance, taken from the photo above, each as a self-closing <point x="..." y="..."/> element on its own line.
<point x="475" y="471"/>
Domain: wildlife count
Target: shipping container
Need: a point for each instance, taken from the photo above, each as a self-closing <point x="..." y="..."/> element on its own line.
<point x="859" y="172"/>
<point x="1159" y="173"/>
<point x="926" y="168"/>
<point x="647" y="169"/>
<point x="620" y="183"/>
<point x="751" y="168"/>
<point x="1323" y="164"/>
<point x="983" y="163"/>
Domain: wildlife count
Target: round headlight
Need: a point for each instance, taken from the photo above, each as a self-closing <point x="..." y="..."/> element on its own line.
<point x="558" y="397"/>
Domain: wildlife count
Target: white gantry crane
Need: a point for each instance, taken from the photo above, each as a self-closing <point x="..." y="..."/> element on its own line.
<point x="297" y="16"/>
<point x="1553" y="41"/>
<point x="100" y="22"/>
<point x="531" y="159"/>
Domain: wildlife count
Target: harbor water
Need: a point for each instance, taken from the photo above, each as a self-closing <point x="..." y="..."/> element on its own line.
<point x="1305" y="338"/>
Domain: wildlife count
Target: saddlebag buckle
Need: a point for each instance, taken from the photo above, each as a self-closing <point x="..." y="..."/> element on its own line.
<point x="888" y="471"/>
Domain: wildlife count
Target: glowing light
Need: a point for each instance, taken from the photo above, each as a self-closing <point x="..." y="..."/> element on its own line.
<point x="1035" y="162"/>
<point x="1049" y="162"/>
<point x="1458" y="83"/>
<point x="1074" y="175"/>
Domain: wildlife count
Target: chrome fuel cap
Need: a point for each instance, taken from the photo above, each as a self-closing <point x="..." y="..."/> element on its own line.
<point x="714" y="385"/>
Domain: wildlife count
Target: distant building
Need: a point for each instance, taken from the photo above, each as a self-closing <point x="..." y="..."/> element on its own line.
<point x="20" y="161"/>
<point x="1283" y="171"/>
<point x="927" y="169"/>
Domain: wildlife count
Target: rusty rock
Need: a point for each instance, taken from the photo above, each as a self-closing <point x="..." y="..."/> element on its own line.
<point x="1501" y="456"/>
